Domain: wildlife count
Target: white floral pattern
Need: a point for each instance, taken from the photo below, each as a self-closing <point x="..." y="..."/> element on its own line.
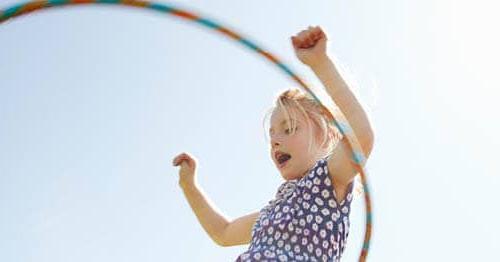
<point x="304" y="221"/>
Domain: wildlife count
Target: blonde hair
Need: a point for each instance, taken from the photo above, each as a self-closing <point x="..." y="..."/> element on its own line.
<point x="318" y="118"/>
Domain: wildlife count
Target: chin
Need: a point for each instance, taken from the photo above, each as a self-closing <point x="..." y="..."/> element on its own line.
<point x="284" y="175"/>
<point x="287" y="176"/>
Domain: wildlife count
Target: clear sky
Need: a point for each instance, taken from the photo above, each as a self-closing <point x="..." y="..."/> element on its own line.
<point x="96" y="101"/>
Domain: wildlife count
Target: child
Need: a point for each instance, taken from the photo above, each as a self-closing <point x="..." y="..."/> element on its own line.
<point x="308" y="220"/>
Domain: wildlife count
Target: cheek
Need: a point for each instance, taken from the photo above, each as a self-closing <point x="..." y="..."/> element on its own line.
<point x="300" y="142"/>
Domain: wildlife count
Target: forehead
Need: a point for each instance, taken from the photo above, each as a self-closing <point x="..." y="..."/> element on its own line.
<point x="279" y="117"/>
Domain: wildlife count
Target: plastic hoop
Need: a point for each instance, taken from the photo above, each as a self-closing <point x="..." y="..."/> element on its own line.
<point x="358" y="158"/>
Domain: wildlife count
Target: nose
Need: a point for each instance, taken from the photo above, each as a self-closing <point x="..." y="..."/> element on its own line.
<point x="274" y="141"/>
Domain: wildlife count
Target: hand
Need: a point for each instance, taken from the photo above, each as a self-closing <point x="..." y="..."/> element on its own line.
<point x="187" y="171"/>
<point x="310" y="45"/>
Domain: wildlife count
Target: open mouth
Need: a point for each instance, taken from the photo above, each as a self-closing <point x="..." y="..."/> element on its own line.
<point x="282" y="158"/>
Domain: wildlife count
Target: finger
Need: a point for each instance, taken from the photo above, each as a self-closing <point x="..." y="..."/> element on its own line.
<point x="179" y="160"/>
<point x="309" y="41"/>
<point x="174" y="161"/>
<point x="317" y="30"/>
<point x="323" y="35"/>
<point x="182" y="162"/>
<point x="182" y="158"/>
<point x="316" y="33"/>
<point x="303" y="44"/>
<point x="181" y="155"/>
<point x="300" y="43"/>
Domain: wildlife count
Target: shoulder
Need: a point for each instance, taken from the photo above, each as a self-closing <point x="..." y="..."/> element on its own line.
<point x="320" y="179"/>
<point x="341" y="165"/>
<point x="341" y="169"/>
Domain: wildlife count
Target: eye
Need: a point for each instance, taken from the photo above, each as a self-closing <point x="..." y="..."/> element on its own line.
<point x="289" y="130"/>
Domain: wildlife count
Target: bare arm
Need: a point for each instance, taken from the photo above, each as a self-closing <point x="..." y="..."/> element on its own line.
<point x="239" y="231"/>
<point x="310" y="48"/>
<point x="344" y="98"/>
<point x="210" y="219"/>
<point x="222" y="232"/>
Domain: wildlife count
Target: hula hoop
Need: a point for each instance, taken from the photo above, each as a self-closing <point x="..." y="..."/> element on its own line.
<point x="358" y="158"/>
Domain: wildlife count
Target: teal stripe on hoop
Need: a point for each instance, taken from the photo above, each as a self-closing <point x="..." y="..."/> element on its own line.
<point x="57" y="2"/>
<point x="110" y="1"/>
<point x="366" y="188"/>
<point x="344" y="129"/>
<point x="287" y="70"/>
<point x="208" y="23"/>
<point x="249" y="44"/>
<point x="358" y="158"/>
<point x="161" y="7"/>
<point x="12" y="10"/>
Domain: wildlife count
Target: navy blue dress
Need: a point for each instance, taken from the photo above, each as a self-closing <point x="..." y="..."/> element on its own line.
<point x="304" y="222"/>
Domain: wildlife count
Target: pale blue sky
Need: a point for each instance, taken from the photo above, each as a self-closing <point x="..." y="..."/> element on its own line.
<point x="95" y="101"/>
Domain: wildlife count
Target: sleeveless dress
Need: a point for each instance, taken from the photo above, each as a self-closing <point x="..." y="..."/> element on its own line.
<point x="304" y="222"/>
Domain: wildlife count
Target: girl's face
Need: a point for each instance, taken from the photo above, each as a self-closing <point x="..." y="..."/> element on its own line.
<point x="294" y="143"/>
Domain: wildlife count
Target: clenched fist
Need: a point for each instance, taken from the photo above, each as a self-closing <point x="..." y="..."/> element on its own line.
<point x="310" y="45"/>
<point x="187" y="171"/>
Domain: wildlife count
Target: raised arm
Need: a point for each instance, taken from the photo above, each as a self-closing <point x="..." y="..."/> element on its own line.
<point x="310" y="48"/>
<point x="343" y="97"/>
